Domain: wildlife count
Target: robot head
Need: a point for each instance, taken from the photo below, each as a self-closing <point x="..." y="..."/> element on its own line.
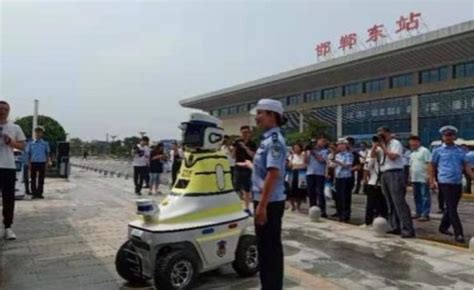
<point x="202" y="132"/>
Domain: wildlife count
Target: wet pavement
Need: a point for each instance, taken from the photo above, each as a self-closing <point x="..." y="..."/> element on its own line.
<point x="69" y="241"/>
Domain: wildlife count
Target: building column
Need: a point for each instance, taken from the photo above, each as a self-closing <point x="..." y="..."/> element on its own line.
<point x="301" y="122"/>
<point x="414" y="115"/>
<point x="339" y="121"/>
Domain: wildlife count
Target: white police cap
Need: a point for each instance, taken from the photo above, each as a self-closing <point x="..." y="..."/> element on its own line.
<point x="269" y="105"/>
<point x="39" y="128"/>
<point x="448" y="128"/>
<point x="342" y="141"/>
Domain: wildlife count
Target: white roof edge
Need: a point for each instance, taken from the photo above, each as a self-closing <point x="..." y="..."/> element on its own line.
<point x="389" y="47"/>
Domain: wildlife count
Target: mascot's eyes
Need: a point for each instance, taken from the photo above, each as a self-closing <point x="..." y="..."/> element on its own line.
<point x="214" y="138"/>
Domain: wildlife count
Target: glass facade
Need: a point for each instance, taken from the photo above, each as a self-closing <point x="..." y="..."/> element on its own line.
<point x="374" y="85"/>
<point x="352" y="89"/>
<point x="312" y="96"/>
<point x="331" y="93"/>
<point x="294" y="100"/>
<point x="365" y="118"/>
<point x="434" y="75"/>
<point x="401" y="81"/>
<point x="327" y="115"/>
<point x="463" y="70"/>
<point x="446" y="108"/>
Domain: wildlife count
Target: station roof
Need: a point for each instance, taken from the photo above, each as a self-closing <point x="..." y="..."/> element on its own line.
<point x="444" y="46"/>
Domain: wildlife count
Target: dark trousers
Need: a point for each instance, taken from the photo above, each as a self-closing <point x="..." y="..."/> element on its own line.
<point x="452" y="194"/>
<point x="146" y="178"/>
<point x="270" y="248"/>
<point x="468" y="183"/>
<point x="174" y="171"/>
<point x="7" y="187"/>
<point x="376" y="204"/>
<point x="360" y="175"/>
<point x="316" y="191"/>
<point x="441" y="203"/>
<point x="394" y="190"/>
<point x="406" y="171"/>
<point x="37" y="177"/>
<point x="344" y="198"/>
<point x="139" y="174"/>
<point x="26" y="178"/>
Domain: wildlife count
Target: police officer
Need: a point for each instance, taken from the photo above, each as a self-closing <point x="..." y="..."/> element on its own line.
<point x="38" y="157"/>
<point x="448" y="162"/>
<point x="268" y="193"/>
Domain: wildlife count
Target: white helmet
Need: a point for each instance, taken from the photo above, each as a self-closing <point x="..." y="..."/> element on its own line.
<point x="202" y="132"/>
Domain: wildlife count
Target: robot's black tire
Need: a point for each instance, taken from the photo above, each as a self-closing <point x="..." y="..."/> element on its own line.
<point x="125" y="266"/>
<point x="165" y="265"/>
<point x="242" y="265"/>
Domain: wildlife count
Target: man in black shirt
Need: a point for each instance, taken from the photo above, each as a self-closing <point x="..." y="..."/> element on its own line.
<point x="244" y="152"/>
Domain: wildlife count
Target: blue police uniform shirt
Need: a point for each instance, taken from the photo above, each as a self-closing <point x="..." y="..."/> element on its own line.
<point x="38" y="150"/>
<point x="450" y="161"/>
<point x="470" y="158"/>
<point x="346" y="158"/>
<point x="271" y="154"/>
<point x="316" y="167"/>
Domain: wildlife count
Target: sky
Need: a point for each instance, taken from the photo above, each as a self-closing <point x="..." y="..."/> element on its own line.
<point x="120" y="67"/>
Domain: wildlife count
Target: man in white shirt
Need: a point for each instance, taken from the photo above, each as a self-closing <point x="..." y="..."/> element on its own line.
<point x="141" y="159"/>
<point x="11" y="137"/>
<point x="420" y="159"/>
<point x="394" y="184"/>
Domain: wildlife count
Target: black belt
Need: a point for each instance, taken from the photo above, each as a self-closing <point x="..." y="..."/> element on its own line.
<point x="393" y="170"/>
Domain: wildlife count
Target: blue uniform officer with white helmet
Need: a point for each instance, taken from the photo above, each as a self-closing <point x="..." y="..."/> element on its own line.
<point x="447" y="164"/>
<point x="268" y="193"/>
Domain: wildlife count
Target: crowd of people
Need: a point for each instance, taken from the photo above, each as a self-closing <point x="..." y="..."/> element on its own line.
<point x="150" y="162"/>
<point x="272" y="178"/>
<point x="321" y="170"/>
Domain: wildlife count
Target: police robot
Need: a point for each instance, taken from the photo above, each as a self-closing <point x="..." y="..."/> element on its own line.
<point x="198" y="227"/>
<point x="19" y="191"/>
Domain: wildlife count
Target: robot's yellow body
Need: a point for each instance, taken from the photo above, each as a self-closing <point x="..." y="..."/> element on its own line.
<point x="198" y="227"/>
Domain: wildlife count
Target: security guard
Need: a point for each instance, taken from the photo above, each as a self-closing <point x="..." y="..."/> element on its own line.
<point x="449" y="161"/>
<point x="268" y="193"/>
<point x="38" y="157"/>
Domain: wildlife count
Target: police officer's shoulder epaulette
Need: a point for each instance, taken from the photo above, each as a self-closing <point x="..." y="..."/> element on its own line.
<point x="275" y="137"/>
<point x="459" y="147"/>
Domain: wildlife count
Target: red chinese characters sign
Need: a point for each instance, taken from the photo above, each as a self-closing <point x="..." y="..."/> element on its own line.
<point x="408" y="23"/>
<point x="323" y="49"/>
<point x="348" y="41"/>
<point x="376" y="34"/>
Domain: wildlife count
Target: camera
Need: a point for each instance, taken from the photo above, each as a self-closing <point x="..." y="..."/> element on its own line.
<point x="138" y="151"/>
<point x="375" y="139"/>
<point x="236" y="143"/>
<point x="310" y="145"/>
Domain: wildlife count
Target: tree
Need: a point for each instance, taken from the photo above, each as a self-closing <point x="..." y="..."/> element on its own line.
<point x="312" y="128"/>
<point x="76" y="146"/>
<point x="54" y="132"/>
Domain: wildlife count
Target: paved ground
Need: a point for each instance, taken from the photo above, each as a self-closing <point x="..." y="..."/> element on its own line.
<point x="425" y="230"/>
<point x="69" y="240"/>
